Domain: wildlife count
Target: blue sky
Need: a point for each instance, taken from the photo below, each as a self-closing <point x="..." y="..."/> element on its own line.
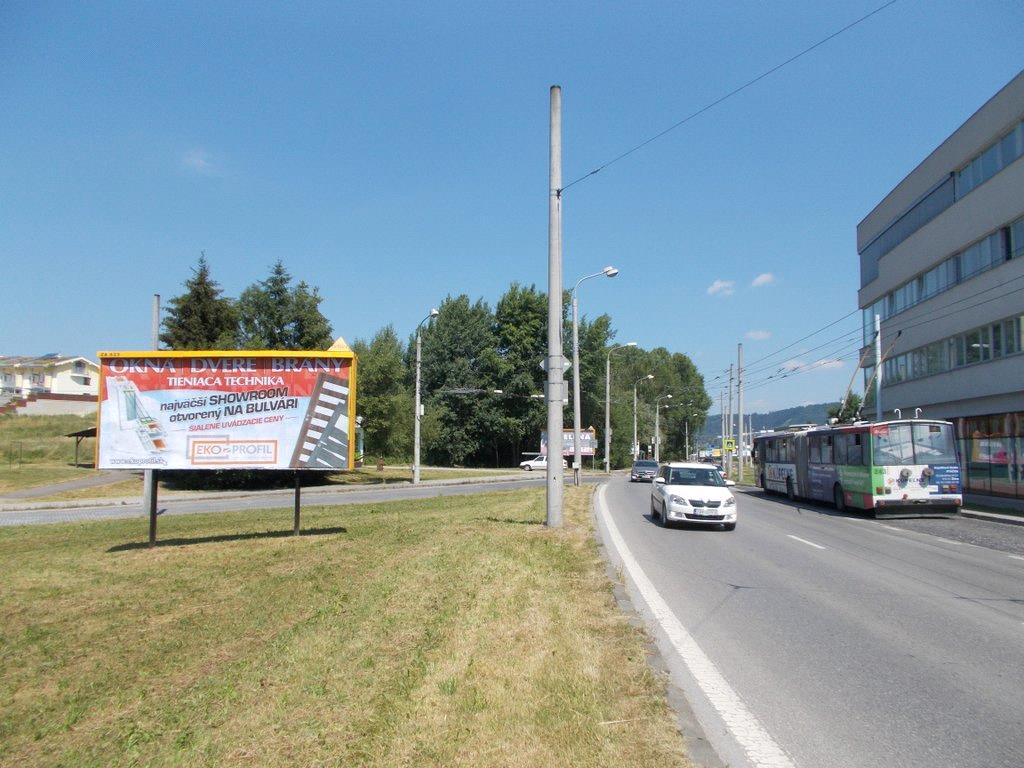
<point x="393" y="154"/>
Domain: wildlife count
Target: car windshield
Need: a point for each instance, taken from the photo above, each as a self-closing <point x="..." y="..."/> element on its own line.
<point x="695" y="476"/>
<point x="645" y="465"/>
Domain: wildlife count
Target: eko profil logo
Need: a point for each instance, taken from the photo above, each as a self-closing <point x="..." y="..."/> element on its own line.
<point x="223" y="451"/>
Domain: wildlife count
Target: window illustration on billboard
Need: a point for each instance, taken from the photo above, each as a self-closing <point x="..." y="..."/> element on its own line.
<point x="223" y="410"/>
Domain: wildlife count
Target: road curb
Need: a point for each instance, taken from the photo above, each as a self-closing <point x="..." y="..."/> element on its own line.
<point x="285" y="492"/>
<point x="992" y="517"/>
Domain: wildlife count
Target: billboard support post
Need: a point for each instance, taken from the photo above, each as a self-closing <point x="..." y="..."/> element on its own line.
<point x="149" y="476"/>
<point x="151" y="504"/>
<point x="298" y="503"/>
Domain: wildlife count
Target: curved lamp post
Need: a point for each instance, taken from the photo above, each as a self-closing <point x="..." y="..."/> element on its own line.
<point x="577" y="461"/>
<point x="608" y="403"/>
<point x="657" y="425"/>
<point x="419" y="409"/>
<point x="636" y="446"/>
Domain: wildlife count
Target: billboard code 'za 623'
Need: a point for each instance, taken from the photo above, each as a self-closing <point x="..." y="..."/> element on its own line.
<point x="224" y="410"/>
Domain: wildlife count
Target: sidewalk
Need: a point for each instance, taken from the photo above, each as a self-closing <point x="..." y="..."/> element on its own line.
<point x="283" y="492"/>
<point x="97" y="480"/>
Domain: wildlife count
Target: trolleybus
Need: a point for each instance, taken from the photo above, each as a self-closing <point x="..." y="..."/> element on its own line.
<point x="890" y="468"/>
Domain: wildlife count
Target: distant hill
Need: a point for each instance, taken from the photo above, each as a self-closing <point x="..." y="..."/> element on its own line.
<point x="801" y="414"/>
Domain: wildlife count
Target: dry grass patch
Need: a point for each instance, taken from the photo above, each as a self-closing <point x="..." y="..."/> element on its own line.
<point x="450" y="631"/>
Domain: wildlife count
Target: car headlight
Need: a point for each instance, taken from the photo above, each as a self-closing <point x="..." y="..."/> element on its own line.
<point x="730" y="502"/>
<point x="677" y="500"/>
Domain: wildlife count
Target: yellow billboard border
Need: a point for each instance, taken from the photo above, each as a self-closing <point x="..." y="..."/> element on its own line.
<point x="168" y="353"/>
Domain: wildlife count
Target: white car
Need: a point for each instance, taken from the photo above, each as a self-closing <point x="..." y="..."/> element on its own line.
<point x="692" y="493"/>
<point x="538" y="462"/>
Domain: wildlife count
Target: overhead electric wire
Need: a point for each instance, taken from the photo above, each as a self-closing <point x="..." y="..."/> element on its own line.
<point x="841" y="353"/>
<point x="924" y="319"/>
<point x="849" y="336"/>
<point x="804" y="338"/>
<point x="728" y="95"/>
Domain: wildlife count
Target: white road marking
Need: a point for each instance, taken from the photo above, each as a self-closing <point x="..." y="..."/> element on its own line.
<point x="1016" y="557"/>
<point x="744" y="726"/>
<point x="805" y="541"/>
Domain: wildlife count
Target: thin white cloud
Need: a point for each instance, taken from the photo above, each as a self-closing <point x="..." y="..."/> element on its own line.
<point x="759" y="335"/>
<point x="765" y="278"/>
<point x="830" y="365"/>
<point x="199" y="161"/>
<point x="722" y="288"/>
<point x="792" y="365"/>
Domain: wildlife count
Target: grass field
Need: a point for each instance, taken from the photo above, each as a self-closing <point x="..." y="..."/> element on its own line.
<point x="451" y="631"/>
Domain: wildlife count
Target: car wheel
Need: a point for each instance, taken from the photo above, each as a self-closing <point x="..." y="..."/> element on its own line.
<point x="790" y="493"/>
<point x="839" y="498"/>
<point x="729" y="526"/>
<point x="654" y="511"/>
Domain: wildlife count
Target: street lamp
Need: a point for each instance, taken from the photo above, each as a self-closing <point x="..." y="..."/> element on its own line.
<point x="419" y="409"/>
<point x="608" y="404"/>
<point x="577" y="461"/>
<point x="657" y="425"/>
<point x="636" y="446"/>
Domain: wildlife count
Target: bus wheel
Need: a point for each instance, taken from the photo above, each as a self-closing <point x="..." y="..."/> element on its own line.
<point x="763" y="486"/>
<point x="790" y="493"/>
<point x="839" y="498"/>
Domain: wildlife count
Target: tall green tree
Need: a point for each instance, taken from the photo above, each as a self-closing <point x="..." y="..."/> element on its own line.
<point x="201" y="317"/>
<point x="385" y="400"/>
<point x="848" y="412"/>
<point x="520" y="327"/>
<point x="274" y="315"/>
<point x="460" y="354"/>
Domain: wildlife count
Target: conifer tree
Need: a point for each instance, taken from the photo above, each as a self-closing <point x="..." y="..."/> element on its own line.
<point x="200" y="318"/>
<point x="273" y="315"/>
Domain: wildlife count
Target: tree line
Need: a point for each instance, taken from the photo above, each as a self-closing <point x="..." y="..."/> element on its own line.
<point x="469" y="350"/>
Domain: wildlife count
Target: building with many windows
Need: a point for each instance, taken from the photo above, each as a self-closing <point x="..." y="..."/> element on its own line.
<point x="942" y="264"/>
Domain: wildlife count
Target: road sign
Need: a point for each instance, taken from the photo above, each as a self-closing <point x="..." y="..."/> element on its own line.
<point x="729" y="444"/>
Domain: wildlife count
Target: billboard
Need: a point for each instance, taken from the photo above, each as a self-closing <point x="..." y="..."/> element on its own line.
<point x="588" y="442"/>
<point x="226" y="410"/>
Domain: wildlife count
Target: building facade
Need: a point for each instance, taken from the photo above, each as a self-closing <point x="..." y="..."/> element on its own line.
<point x="49" y="374"/>
<point x="942" y="264"/>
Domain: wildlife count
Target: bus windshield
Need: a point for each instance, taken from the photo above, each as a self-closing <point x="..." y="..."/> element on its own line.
<point x="894" y="444"/>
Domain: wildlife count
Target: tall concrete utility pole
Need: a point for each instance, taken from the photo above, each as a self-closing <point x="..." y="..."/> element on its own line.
<point x="878" y="368"/>
<point x="418" y="404"/>
<point x="721" y="411"/>
<point x="728" y="419"/>
<point x="556" y="384"/>
<point x="149" y="476"/>
<point x="739" y="403"/>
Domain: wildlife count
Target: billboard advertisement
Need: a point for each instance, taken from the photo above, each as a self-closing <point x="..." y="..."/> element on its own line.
<point x="226" y="410"/>
<point x="588" y="442"/>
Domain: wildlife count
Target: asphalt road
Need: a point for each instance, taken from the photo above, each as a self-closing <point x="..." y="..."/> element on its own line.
<point x="276" y="499"/>
<point x="853" y="642"/>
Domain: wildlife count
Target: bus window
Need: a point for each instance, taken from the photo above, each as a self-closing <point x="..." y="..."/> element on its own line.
<point x="892" y="444"/>
<point x="839" y="447"/>
<point x="933" y="444"/>
<point x="812" y="450"/>
<point x="825" y="450"/>
<point x="854" y="450"/>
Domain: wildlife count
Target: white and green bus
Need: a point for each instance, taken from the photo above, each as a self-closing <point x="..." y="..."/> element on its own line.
<point x="900" y="468"/>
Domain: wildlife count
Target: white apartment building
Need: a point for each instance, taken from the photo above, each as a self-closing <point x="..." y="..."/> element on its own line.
<point x="49" y="374"/>
<point x="942" y="263"/>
